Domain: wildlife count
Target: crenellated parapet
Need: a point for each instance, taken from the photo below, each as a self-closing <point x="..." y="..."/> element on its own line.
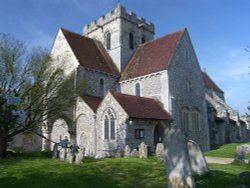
<point x="118" y="12"/>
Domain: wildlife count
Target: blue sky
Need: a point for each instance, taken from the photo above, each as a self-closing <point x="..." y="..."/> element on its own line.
<point x="219" y="29"/>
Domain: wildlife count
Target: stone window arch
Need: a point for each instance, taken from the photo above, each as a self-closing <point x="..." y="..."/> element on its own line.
<point x="131" y="41"/>
<point x="185" y="119"/>
<point x="137" y="89"/>
<point x="101" y="87"/>
<point x="109" y="125"/>
<point x="196" y="125"/>
<point x="107" y="39"/>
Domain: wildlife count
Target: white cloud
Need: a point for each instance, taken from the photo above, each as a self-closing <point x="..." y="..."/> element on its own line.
<point x="229" y="68"/>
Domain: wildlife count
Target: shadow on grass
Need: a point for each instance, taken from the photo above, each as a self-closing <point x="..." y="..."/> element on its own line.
<point x="220" y="179"/>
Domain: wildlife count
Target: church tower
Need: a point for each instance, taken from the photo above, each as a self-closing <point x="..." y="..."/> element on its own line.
<point x="121" y="33"/>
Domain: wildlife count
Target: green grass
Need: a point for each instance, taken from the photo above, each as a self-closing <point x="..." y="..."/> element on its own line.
<point x="227" y="150"/>
<point x="223" y="176"/>
<point x="39" y="171"/>
<point x="110" y="172"/>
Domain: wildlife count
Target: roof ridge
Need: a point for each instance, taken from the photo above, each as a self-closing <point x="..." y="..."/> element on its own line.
<point x="217" y="87"/>
<point x="155" y="55"/>
<point x="75" y="33"/>
<point x="159" y="38"/>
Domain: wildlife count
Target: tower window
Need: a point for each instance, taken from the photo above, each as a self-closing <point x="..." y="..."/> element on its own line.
<point x="131" y="41"/>
<point x="137" y="89"/>
<point x="108" y="40"/>
<point x="101" y="87"/>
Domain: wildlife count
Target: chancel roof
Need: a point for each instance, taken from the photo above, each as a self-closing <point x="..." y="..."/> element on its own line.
<point x="141" y="107"/>
<point x="90" y="53"/>
<point x="210" y="84"/>
<point x="92" y="102"/>
<point x="153" y="56"/>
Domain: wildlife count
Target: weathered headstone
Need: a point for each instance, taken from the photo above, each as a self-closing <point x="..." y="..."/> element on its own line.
<point x="79" y="155"/>
<point x="179" y="172"/>
<point x="55" y="151"/>
<point x="62" y="154"/>
<point x="69" y="156"/>
<point x="134" y="153"/>
<point x="159" y="151"/>
<point x="127" y="151"/>
<point x="143" y="150"/>
<point x="240" y="154"/>
<point x="197" y="160"/>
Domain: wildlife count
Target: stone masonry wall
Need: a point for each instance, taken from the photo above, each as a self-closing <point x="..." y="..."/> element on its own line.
<point x="62" y="55"/>
<point x="93" y="77"/>
<point x="153" y="86"/>
<point x="105" y="147"/>
<point x="120" y="23"/>
<point x="148" y="126"/>
<point x="187" y="89"/>
<point x="85" y="127"/>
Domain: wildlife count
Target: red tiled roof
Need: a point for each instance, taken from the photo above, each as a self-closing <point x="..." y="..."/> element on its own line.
<point x="141" y="107"/>
<point x="152" y="56"/>
<point x="92" y="102"/>
<point x="210" y="84"/>
<point x="90" y="53"/>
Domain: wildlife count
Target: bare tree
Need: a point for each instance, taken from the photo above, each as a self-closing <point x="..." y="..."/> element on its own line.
<point x="31" y="89"/>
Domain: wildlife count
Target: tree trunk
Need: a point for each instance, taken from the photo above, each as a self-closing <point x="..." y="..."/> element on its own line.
<point x="3" y="147"/>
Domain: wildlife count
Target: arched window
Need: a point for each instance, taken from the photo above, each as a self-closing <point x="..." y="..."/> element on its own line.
<point x="131" y="41"/>
<point x="185" y="119"/>
<point x="106" y="128"/>
<point x="108" y="40"/>
<point x="112" y="128"/>
<point x="137" y="89"/>
<point x="109" y="125"/>
<point x="196" y="120"/>
<point x="101" y="87"/>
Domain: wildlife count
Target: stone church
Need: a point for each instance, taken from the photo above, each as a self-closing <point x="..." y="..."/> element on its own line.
<point x="137" y="86"/>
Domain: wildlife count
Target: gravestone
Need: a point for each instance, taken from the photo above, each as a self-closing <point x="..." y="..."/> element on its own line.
<point x="143" y="150"/>
<point x="197" y="160"/>
<point x="62" y="154"/>
<point x="69" y="156"/>
<point x="127" y="151"/>
<point x="240" y="154"/>
<point x="179" y="172"/>
<point x="134" y="153"/>
<point x="55" y="151"/>
<point x="159" y="151"/>
<point x="79" y="155"/>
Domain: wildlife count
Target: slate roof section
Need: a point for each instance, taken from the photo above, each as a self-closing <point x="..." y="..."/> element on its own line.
<point x="92" y="102"/>
<point x="141" y="107"/>
<point x="90" y="53"/>
<point x="210" y="84"/>
<point x="153" y="56"/>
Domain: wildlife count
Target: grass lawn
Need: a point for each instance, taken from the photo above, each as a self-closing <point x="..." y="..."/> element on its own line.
<point x="111" y="172"/>
<point x="227" y="150"/>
